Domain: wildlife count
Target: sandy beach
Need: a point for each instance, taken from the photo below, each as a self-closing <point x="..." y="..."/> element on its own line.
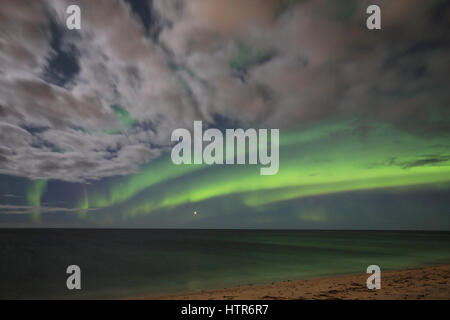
<point x="418" y="283"/>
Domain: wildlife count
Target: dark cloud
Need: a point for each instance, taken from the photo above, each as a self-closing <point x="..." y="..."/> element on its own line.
<point x="148" y="16"/>
<point x="62" y="65"/>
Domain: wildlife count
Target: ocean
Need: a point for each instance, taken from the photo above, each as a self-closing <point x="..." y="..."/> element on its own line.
<point x="122" y="263"/>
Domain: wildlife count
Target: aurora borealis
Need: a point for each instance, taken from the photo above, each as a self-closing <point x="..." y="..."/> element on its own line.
<point x="86" y="116"/>
<point x="358" y="162"/>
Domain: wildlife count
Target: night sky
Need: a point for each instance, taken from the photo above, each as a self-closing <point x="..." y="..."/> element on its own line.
<point x="86" y="115"/>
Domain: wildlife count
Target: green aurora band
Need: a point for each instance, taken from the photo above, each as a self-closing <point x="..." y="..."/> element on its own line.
<point x="323" y="159"/>
<point x="33" y="196"/>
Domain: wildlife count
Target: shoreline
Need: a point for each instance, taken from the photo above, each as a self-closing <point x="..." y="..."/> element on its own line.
<point x="430" y="282"/>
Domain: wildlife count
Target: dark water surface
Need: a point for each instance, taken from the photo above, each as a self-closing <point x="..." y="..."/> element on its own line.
<point x="121" y="263"/>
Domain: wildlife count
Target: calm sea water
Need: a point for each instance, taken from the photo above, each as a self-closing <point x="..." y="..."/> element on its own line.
<point x="125" y="263"/>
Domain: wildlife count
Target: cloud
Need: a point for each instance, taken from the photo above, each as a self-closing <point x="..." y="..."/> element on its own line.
<point x="102" y="101"/>
<point x="23" y="43"/>
<point x="323" y="61"/>
<point x="13" y="209"/>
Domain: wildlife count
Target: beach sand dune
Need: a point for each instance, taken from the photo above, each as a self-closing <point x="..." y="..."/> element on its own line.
<point x="419" y="283"/>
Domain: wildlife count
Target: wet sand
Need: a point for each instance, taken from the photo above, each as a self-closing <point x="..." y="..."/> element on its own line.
<point x="418" y="283"/>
